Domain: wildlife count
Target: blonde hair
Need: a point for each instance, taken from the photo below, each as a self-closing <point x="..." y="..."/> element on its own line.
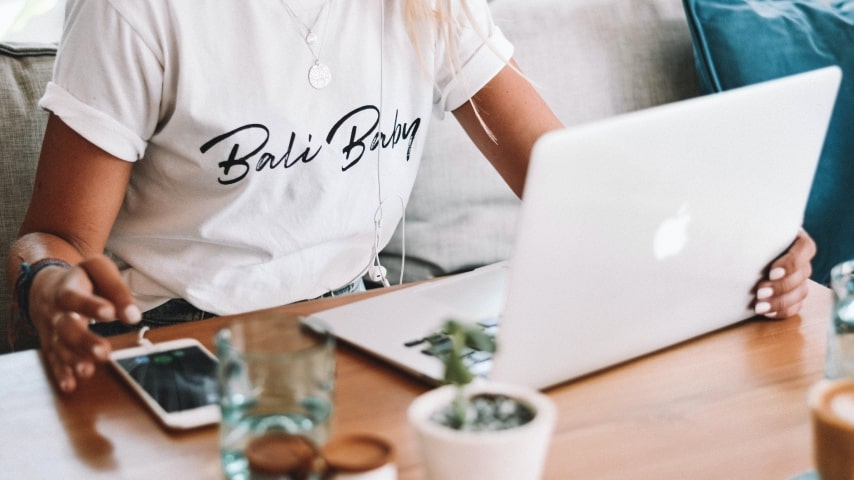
<point x="417" y="13"/>
<point x="438" y="13"/>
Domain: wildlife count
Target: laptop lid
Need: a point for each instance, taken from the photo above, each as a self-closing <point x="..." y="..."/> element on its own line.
<point x="635" y="233"/>
<point x="651" y="228"/>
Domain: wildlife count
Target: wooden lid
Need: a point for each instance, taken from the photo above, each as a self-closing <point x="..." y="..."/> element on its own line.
<point x="357" y="453"/>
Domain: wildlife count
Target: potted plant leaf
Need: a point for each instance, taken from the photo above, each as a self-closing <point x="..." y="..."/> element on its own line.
<point x="472" y="428"/>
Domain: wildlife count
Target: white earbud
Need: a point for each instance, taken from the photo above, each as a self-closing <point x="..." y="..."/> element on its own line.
<point x="377" y="273"/>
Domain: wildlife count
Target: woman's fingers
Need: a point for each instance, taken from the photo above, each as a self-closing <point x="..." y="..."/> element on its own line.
<point x="95" y="289"/>
<point x="783" y="305"/>
<point x="73" y="334"/>
<point x="782" y="294"/>
<point x="60" y="370"/>
<point x="72" y="350"/>
<point x="107" y="283"/>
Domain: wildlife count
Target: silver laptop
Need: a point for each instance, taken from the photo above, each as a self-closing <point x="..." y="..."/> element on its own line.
<point x="635" y="233"/>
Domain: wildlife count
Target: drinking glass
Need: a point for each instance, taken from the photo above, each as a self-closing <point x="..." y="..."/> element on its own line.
<point x="840" y="341"/>
<point x="276" y="377"/>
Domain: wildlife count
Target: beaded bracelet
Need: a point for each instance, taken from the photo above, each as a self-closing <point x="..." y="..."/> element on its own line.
<point x="21" y="295"/>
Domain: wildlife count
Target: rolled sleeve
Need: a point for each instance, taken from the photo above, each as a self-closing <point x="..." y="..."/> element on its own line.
<point x="107" y="81"/>
<point x="92" y="124"/>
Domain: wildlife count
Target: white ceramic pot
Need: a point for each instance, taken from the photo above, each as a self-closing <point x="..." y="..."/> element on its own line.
<point x="513" y="454"/>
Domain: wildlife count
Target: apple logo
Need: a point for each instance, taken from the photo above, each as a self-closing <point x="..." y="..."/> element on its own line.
<point x="672" y="235"/>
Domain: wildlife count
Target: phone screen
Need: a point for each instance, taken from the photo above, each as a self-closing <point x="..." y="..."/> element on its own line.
<point x="178" y="379"/>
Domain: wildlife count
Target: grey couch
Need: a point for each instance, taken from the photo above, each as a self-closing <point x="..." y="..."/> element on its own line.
<point x="590" y="59"/>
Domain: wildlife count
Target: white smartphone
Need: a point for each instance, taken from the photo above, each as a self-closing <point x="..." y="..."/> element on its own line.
<point x="176" y="379"/>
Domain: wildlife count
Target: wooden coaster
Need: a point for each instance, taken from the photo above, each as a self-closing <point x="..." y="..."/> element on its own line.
<point x="357" y="453"/>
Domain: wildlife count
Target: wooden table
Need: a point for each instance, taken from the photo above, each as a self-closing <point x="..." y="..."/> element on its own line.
<point x="729" y="405"/>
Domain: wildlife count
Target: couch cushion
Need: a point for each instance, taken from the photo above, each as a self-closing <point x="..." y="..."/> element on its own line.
<point x="740" y="42"/>
<point x="24" y="72"/>
<point x="590" y="59"/>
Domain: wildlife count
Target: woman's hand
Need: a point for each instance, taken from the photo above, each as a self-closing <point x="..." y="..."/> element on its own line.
<point x="63" y="302"/>
<point x="782" y="294"/>
<point x="90" y="184"/>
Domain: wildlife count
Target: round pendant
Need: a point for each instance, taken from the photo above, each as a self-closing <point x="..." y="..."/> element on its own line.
<point x="319" y="75"/>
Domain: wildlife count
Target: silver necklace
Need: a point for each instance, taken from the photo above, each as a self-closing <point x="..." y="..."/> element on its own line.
<point x="319" y="75"/>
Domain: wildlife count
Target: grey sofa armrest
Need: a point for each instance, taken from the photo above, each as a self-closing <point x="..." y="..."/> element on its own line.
<point x="24" y="72"/>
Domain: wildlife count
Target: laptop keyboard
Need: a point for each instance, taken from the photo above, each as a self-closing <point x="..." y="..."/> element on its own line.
<point x="438" y="344"/>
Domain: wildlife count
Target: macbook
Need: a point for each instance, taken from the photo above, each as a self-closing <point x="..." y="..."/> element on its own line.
<point x="635" y="233"/>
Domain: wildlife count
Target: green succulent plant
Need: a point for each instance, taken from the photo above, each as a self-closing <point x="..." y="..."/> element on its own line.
<point x="463" y="338"/>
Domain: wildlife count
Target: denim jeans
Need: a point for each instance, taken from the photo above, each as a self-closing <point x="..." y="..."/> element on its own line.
<point x="178" y="310"/>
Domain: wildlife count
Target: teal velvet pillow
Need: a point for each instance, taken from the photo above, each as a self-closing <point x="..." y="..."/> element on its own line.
<point x="740" y="42"/>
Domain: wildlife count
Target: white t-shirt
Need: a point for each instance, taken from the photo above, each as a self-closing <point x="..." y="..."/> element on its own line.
<point x="251" y="188"/>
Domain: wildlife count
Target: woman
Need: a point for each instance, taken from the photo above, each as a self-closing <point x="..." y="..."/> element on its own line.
<point x="252" y="154"/>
